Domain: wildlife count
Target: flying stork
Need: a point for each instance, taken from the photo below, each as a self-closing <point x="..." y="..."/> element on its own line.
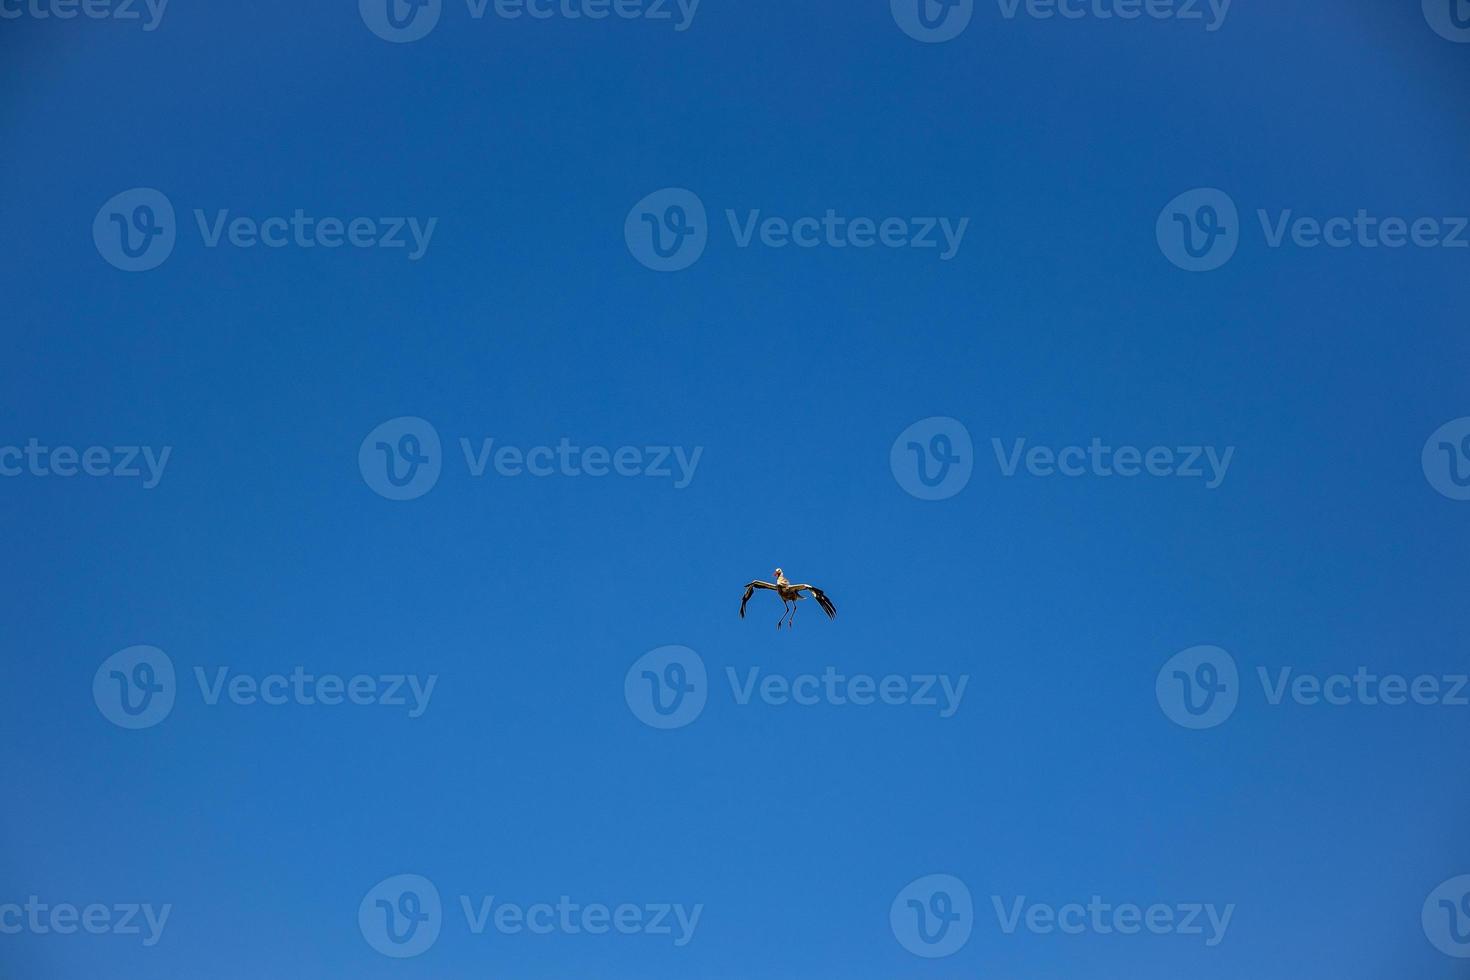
<point x="790" y="595"/>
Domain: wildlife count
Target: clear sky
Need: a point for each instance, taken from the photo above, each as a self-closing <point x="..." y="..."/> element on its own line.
<point x="268" y="542"/>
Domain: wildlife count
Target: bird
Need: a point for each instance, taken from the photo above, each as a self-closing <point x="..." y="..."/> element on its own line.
<point x="790" y="595"/>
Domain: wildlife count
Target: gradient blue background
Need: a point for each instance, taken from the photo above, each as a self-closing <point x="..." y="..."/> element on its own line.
<point x="528" y="321"/>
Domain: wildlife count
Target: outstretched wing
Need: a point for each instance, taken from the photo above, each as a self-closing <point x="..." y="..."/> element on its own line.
<point x="821" y="598"/>
<point x="750" y="591"/>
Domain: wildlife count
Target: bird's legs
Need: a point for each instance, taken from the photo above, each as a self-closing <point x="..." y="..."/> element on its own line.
<point x="784" y="608"/>
<point x="792" y="621"/>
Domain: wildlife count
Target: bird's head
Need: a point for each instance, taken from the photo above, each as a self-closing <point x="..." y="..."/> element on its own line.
<point x="778" y="574"/>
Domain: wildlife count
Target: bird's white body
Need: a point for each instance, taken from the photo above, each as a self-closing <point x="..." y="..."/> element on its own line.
<point x="790" y="595"/>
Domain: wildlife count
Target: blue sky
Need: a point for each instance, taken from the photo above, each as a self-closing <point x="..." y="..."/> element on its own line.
<point x="529" y="319"/>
